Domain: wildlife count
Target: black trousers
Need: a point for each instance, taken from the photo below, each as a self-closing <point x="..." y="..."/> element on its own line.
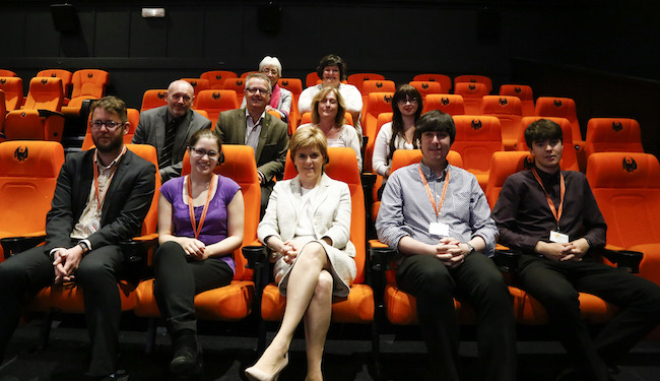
<point x="477" y="281"/>
<point x="26" y="273"/>
<point x="556" y="285"/>
<point x="178" y="280"/>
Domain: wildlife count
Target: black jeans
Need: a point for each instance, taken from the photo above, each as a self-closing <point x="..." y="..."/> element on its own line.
<point x="178" y="280"/>
<point x="28" y="272"/>
<point x="477" y="281"/>
<point x="556" y="285"/>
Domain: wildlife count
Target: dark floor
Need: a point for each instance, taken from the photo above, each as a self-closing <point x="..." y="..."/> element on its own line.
<point x="228" y="351"/>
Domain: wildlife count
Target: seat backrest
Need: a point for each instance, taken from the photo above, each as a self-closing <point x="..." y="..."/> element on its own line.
<point x="312" y="79"/>
<point x="627" y="188"/>
<point x="198" y="84"/>
<point x="241" y="167"/>
<point x="245" y="74"/>
<point x="90" y="82"/>
<point x="153" y="98"/>
<point x="377" y="86"/>
<point x="508" y="110"/>
<point x="238" y="85"/>
<point x="472" y="78"/>
<point x="3" y="108"/>
<point x="7" y="73"/>
<point x="569" y="160"/>
<point x="451" y="104"/>
<point x="613" y="135"/>
<point x="28" y="176"/>
<point x="560" y="108"/>
<point x="357" y="79"/>
<point x="375" y="104"/>
<point x="24" y="125"/>
<point x="524" y="93"/>
<point x="443" y="80"/>
<point x="216" y="101"/>
<point x="148" y="152"/>
<point x="217" y="78"/>
<point x="65" y="75"/>
<point x="477" y="139"/>
<point x="472" y="93"/>
<point x="502" y="165"/>
<point x="343" y="167"/>
<point x="426" y="87"/>
<point x="294" y="85"/>
<point x="45" y="93"/>
<point x="13" y="88"/>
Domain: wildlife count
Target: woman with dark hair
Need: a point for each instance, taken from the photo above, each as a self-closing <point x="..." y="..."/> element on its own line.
<point x="328" y="112"/>
<point x="332" y="70"/>
<point x="398" y="134"/>
<point x="200" y="224"/>
<point x="307" y="225"/>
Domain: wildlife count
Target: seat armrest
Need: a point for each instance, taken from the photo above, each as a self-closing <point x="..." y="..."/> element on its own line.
<point x="381" y="257"/>
<point x="507" y="260"/>
<point x="136" y="252"/>
<point x="16" y="245"/>
<point x="625" y="259"/>
<point x="48" y="113"/>
<point x="256" y="255"/>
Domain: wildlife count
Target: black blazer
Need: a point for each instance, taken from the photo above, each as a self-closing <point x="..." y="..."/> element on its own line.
<point x="126" y="204"/>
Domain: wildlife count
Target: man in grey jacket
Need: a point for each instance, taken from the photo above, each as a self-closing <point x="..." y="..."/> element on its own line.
<point x="169" y="128"/>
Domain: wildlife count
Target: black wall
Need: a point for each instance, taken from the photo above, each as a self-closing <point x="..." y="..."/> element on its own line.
<point x="592" y="51"/>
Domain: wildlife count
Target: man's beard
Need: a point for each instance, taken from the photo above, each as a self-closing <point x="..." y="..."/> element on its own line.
<point x="114" y="144"/>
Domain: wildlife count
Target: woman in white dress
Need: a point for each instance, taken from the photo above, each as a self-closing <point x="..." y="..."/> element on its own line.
<point x="328" y="111"/>
<point x="307" y="226"/>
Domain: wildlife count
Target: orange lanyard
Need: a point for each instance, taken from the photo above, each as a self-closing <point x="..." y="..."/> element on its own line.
<point x="436" y="208"/>
<point x="198" y="228"/>
<point x="99" y="203"/>
<point x="562" y="190"/>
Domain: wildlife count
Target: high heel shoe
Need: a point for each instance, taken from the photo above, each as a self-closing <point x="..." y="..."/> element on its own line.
<point x="255" y="374"/>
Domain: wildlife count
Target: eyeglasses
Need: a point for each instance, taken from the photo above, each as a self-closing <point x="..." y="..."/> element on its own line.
<point x="200" y="152"/>
<point x="253" y="90"/>
<point x="269" y="71"/>
<point x="109" y="124"/>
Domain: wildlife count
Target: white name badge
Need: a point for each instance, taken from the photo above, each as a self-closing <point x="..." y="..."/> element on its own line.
<point x="558" y="237"/>
<point x="439" y="229"/>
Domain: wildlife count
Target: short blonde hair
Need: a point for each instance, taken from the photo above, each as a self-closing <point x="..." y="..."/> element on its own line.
<point x="341" y="106"/>
<point x="308" y="137"/>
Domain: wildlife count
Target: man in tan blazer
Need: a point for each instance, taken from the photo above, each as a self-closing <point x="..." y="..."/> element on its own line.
<point x="255" y="127"/>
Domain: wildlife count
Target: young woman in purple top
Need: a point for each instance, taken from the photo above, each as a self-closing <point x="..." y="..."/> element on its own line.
<point x="200" y="224"/>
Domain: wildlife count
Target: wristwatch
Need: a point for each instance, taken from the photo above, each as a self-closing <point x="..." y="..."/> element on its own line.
<point x="84" y="246"/>
<point x="470" y="247"/>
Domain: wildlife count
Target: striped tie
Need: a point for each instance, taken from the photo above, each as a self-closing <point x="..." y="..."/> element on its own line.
<point x="166" y="152"/>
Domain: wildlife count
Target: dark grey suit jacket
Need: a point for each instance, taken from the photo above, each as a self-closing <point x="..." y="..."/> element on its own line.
<point x="151" y="130"/>
<point x="126" y="203"/>
<point x="273" y="140"/>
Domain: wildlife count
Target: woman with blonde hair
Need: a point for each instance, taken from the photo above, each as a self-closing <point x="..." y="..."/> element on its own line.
<point x="307" y="226"/>
<point x="328" y="111"/>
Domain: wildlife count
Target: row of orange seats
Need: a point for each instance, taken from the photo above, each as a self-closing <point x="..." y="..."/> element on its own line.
<point x="625" y="184"/>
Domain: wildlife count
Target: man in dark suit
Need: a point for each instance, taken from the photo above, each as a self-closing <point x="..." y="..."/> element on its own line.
<point x="102" y="196"/>
<point x="255" y="127"/>
<point x="169" y="128"/>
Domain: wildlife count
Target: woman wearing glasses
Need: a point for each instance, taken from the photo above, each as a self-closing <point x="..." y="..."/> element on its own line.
<point x="398" y="134"/>
<point x="280" y="98"/>
<point x="200" y="224"/>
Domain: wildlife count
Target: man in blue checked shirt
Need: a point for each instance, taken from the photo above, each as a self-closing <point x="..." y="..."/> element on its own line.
<point x="437" y="218"/>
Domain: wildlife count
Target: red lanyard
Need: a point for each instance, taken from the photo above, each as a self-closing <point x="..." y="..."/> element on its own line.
<point x="99" y="203"/>
<point x="436" y="208"/>
<point x="198" y="228"/>
<point x="562" y="190"/>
